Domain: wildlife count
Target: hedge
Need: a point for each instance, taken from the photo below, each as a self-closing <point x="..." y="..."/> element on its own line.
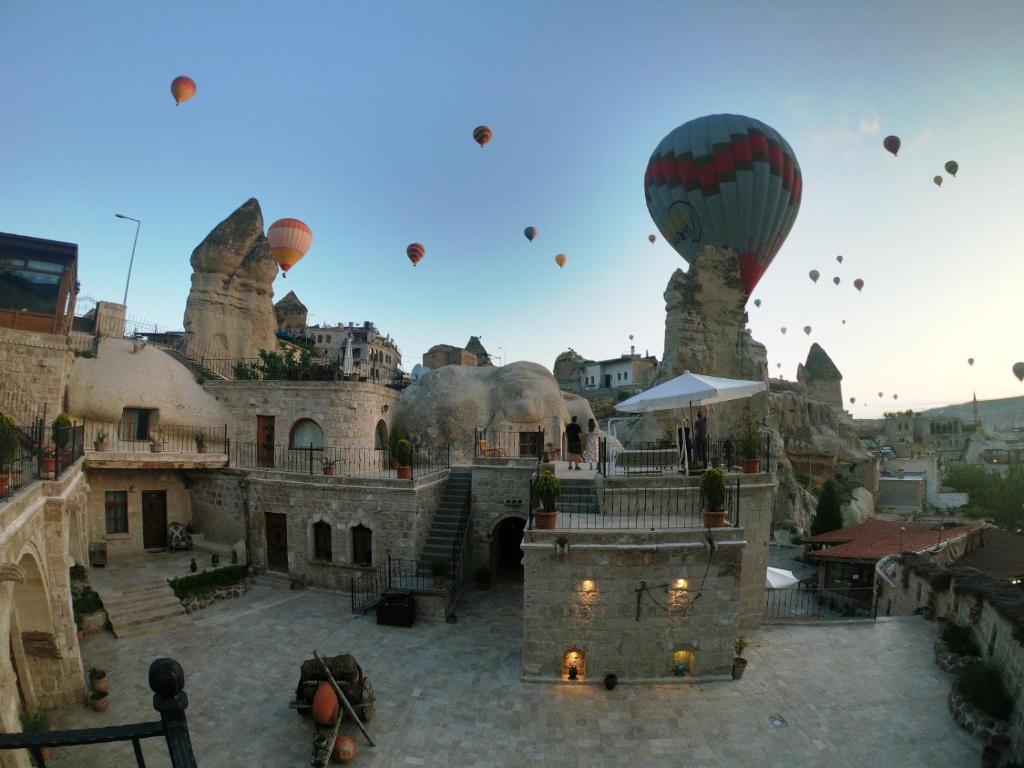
<point x="201" y="583"/>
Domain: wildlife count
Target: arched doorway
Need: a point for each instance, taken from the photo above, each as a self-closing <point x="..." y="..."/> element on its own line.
<point x="380" y="436"/>
<point x="33" y="641"/>
<point x="506" y="554"/>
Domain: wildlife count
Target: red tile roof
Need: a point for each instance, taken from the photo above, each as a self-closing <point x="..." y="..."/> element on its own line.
<point x="875" y="539"/>
<point x="1001" y="554"/>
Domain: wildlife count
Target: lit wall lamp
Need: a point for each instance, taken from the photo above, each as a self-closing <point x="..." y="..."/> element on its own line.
<point x="384" y="408"/>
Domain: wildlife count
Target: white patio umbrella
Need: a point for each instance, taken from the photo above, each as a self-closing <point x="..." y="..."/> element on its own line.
<point x="777" y="578"/>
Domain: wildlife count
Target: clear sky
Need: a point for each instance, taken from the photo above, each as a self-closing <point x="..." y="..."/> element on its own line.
<point x="357" y="118"/>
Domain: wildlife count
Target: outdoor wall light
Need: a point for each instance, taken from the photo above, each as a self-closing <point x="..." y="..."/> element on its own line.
<point x="574" y="665"/>
<point x="682" y="663"/>
<point x="680" y="584"/>
<point x="588" y="585"/>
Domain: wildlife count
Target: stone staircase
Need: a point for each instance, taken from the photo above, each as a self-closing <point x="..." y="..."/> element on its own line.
<point x="146" y="609"/>
<point x="194" y="366"/>
<point x="446" y="520"/>
<point x="579" y="495"/>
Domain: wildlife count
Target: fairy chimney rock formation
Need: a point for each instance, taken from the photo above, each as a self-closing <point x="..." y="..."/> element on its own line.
<point x="291" y="314"/>
<point x="230" y="308"/>
<point x="821" y="377"/>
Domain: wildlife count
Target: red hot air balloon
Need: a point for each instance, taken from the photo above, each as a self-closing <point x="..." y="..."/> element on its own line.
<point x="530" y="232"/>
<point x="482" y="134"/>
<point x="415" y="252"/>
<point x="728" y="181"/>
<point x="858" y="284"/>
<point x="892" y="143"/>
<point x="290" y="240"/>
<point x="182" y="89"/>
<point x="652" y="238"/>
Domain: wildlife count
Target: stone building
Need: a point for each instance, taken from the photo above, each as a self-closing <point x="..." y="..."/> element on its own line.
<point x="291" y="315"/>
<point x="375" y="356"/>
<point x="473" y="354"/>
<point x="630" y="370"/>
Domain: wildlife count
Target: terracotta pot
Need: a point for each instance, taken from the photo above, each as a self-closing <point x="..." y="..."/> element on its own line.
<point x="328" y="470"/>
<point x="99" y="684"/>
<point x="100" y="445"/>
<point x="404" y="473"/>
<point x="716" y="461"/>
<point x="738" y="666"/>
<point x="201" y="448"/>
<point x="714" y="519"/>
<point x="544" y="519"/>
<point x="155" y="447"/>
<point x="344" y="750"/>
<point x="100" y="703"/>
<point x="49" y="465"/>
<point x="5" y="484"/>
<point x="750" y="466"/>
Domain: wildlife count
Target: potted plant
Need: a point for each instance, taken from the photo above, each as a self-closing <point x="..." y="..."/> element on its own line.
<point x="100" y="443"/>
<point x="439" y="570"/>
<point x="49" y="461"/>
<point x="547" y="489"/>
<point x="60" y="431"/>
<point x="98" y="679"/>
<point x="712" y="495"/>
<point x="328" y="464"/>
<point x="9" y="449"/>
<point x="403" y="459"/>
<point x="562" y="545"/>
<point x="738" y="662"/>
<point x="155" y="443"/>
<point x="483" y="577"/>
<point x="38" y="722"/>
<point x="200" y="442"/>
<point x="751" y="441"/>
<point x="99" y="701"/>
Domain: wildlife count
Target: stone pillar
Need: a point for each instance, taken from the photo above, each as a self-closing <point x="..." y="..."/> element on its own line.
<point x="756" y="492"/>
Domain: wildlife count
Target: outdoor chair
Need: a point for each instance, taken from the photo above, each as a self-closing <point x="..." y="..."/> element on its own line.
<point x="490" y="453"/>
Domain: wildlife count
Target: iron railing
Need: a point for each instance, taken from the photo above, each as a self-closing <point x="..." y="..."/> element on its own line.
<point x="665" y="457"/>
<point x="626" y="507"/>
<point x="167" y="681"/>
<point x="300" y="367"/>
<point x="395" y="573"/>
<point x="515" y="444"/>
<point x="67" y="447"/>
<point x="19" y="471"/>
<point x="342" y="462"/>
<point x="19" y="405"/>
<point x="125" y="437"/>
<point x="459" y="558"/>
<point x="803" y="603"/>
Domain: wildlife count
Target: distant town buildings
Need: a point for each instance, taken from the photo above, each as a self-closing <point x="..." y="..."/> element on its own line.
<point x="581" y="376"/>
<point x="473" y="354"/>
<point x="374" y="355"/>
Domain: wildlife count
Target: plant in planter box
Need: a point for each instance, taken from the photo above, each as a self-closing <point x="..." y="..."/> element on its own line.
<point x="10" y="447"/>
<point x="60" y="432"/>
<point x="738" y="662"/>
<point x="712" y="496"/>
<point x="402" y="454"/>
<point x="483" y="577"/>
<point x="100" y="442"/>
<point x="547" y="489"/>
<point x="200" y="442"/>
<point x="98" y="679"/>
<point x="751" y="440"/>
<point x="439" y="570"/>
<point x="328" y="464"/>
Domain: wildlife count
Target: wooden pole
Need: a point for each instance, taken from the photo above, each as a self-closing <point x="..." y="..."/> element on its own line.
<point x="343" y="698"/>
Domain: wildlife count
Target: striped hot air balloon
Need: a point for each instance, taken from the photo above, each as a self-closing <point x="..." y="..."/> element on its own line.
<point x="291" y="240"/>
<point x="182" y="89"/>
<point x="725" y="180"/>
<point x="652" y="238"/>
<point x="482" y="134"/>
<point x="415" y="252"/>
<point x="530" y="232"/>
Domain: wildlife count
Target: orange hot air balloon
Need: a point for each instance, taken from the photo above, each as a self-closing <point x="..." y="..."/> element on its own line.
<point x="415" y="252"/>
<point x="652" y="238"/>
<point x="482" y="134"/>
<point x="290" y="239"/>
<point x="561" y="259"/>
<point x="182" y="89"/>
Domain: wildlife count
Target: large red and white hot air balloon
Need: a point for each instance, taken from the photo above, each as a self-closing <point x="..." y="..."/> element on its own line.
<point x="291" y="239"/>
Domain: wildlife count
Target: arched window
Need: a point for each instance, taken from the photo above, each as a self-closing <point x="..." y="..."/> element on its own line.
<point x="322" y="541"/>
<point x="362" y="546"/>
<point x="306" y="432"/>
<point x="380" y="436"/>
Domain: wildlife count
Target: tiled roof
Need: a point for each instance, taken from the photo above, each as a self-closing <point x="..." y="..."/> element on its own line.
<point x="875" y="539"/>
<point x="1001" y="554"/>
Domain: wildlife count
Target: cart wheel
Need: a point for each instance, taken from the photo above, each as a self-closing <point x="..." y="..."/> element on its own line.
<point x="367" y="705"/>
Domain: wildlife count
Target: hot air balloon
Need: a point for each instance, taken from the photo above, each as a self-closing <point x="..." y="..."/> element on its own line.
<point x="952" y="167"/>
<point x="182" y="89"/>
<point x="835" y="280"/>
<point x="290" y="239"/>
<point x="783" y="329"/>
<point x="839" y="259"/>
<point x="895" y="396"/>
<point x="725" y="180"/>
<point x="937" y="180"/>
<point x="853" y="400"/>
<point x="415" y="252"/>
<point x="482" y="134"/>
<point x="844" y="322"/>
<point x="778" y="365"/>
<point x="892" y="143"/>
<point x="879" y="394"/>
<point x="530" y="232"/>
<point x="858" y="284"/>
<point x="652" y="238"/>
<point x="1018" y="371"/>
<point x="970" y="361"/>
<point x="807" y="330"/>
<point x="757" y="302"/>
<point x="561" y="259"/>
<point x="814" y="275"/>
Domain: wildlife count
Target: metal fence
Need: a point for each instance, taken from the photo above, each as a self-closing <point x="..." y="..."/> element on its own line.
<point x="514" y="444"/>
<point x="343" y="462"/>
<point x="396" y="573"/>
<point x="666" y="457"/>
<point x="625" y="507"/>
<point x="818" y="603"/>
<point x="67" y="447"/>
<point x="459" y="560"/>
<point x="131" y="437"/>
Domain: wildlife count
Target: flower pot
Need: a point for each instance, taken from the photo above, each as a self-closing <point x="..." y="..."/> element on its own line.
<point x="5" y="484"/>
<point x="155" y="447"/>
<point x="100" y="445"/>
<point x="99" y="684"/>
<point x="329" y="470"/>
<point x="738" y="665"/>
<point x="99" y="702"/>
<point x="750" y="466"/>
<point x="545" y="519"/>
<point x="716" y="461"/>
<point x="714" y="519"/>
<point x="49" y="465"/>
<point x="404" y="473"/>
<point x="201" y="448"/>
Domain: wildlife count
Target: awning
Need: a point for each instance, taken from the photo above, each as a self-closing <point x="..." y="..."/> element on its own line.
<point x="690" y="389"/>
<point x="777" y="578"/>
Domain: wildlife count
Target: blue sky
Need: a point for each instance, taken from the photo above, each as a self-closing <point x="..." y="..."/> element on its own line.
<point x="357" y="118"/>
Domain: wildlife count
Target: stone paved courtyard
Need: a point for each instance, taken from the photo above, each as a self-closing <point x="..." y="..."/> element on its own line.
<point x="450" y="695"/>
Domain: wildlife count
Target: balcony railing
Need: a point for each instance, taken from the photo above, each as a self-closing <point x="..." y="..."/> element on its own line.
<point x="341" y="462"/>
<point x="127" y="437"/>
<point x="513" y="444"/>
<point x="804" y="603"/>
<point x="666" y="457"/>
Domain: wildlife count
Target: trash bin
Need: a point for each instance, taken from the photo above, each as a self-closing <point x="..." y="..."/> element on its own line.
<point x="397" y="608"/>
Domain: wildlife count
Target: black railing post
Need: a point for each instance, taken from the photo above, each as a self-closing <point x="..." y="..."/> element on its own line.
<point x="540" y="444"/>
<point x="737" y="502"/>
<point x="167" y="681"/>
<point x="311" y="457"/>
<point x="352" y="592"/>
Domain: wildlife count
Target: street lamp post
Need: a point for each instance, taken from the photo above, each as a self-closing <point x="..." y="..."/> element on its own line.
<point x="138" y="224"/>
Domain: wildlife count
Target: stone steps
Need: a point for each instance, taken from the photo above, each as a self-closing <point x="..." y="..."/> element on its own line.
<point x="145" y="609"/>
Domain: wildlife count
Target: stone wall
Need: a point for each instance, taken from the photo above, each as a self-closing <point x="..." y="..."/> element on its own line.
<point x="586" y="601"/>
<point x="756" y="492"/>
<point x="346" y="411"/>
<point x="35" y="366"/>
<point x="500" y="489"/>
<point x="172" y="482"/>
<point x="218" y="511"/>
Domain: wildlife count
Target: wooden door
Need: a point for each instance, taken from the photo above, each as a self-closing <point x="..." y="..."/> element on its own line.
<point x="154" y="519"/>
<point x="265" y="441"/>
<point x="277" y="542"/>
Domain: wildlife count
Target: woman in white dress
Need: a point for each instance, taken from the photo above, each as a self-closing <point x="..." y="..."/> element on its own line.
<point x="593" y="442"/>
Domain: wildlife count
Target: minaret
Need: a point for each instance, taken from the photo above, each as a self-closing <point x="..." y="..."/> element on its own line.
<point x="977" y="420"/>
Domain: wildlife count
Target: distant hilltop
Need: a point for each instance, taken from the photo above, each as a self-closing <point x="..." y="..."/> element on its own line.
<point x="993" y="413"/>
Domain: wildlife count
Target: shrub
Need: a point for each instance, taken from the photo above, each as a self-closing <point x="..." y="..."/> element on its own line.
<point x="202" y="583"/>
<point x="712" y="490"/>
<point x="403" y="453"/>
<point x="10" y="446"/>
<point x="59" y="431"/>
<point x="751" y="441"/>
<point x="960" y="640"/>
<point x="78" y="573"/>
<point x="829" y="516"/>
<point x="86" y="601"/>
<point x="548" y="488"/>
<point x="982" y="686"/>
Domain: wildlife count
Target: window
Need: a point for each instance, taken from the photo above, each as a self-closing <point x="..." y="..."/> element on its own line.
<point x="328" y="338"/>
<point x="306" y="433"/>
<point x="136" y="423"/>
<point x="116" y="503"/>
<point x="322" y="541"/>
<point x="319" y="338"/>
<point x="362" y="546"/>
<point x="357" y="353"/>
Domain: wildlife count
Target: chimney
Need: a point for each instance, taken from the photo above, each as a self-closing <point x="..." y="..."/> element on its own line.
<point x="632" y="351"/>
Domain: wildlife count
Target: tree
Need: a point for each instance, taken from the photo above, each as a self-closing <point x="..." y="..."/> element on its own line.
<point x="829" y="515"/>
